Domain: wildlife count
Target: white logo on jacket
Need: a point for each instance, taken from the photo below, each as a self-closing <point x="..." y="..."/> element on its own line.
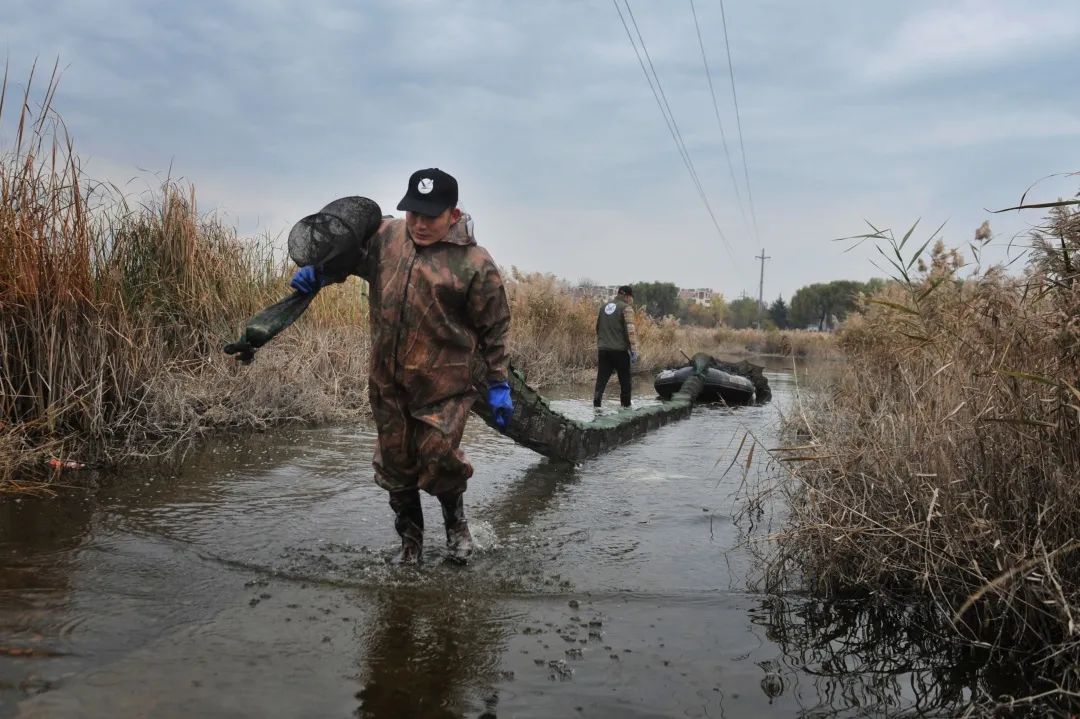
<point x="425" y="185"/>
<point x="609" y="308"/>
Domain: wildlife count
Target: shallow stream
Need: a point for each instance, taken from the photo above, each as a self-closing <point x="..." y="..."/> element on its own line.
<point x="252" y="581"/>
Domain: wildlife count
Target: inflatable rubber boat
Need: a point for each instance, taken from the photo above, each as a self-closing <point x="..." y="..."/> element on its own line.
<point x="719" y="385"/>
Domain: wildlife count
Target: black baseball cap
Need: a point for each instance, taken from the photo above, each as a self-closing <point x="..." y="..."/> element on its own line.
<point x="430" y="192"/>
<point x="626" y="290"/>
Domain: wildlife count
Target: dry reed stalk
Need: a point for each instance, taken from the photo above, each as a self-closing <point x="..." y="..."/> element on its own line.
<point x="801" y="344"/>
<point x="944" y="461"/>
<point x="105" y="303"/>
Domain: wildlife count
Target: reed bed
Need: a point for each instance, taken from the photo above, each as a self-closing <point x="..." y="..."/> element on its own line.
<point x="112" y="313"/>
<point x="943" y="463"/>
<point x="801" y="344"/>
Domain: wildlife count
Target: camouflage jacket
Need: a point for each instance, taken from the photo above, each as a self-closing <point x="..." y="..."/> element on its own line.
<point x="434" y="309"/>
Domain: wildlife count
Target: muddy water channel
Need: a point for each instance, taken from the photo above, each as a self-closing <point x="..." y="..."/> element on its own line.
<point x="252" y="581"/>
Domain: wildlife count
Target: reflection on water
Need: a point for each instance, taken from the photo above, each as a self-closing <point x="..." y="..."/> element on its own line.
<point x="36" y="583"/>
<point x="426" y="650"/>
<point x="434" y="650"/>
<point x="252" y="581"/>
<point x="868" y="657"/>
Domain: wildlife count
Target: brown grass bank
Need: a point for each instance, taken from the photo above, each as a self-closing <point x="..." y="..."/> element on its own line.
<point x="944" y="463"/>
<point x="801" y="344"/>
<point x="112" y="314"/>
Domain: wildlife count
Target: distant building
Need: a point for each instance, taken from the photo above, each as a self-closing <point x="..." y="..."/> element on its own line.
<point x="700" y="295"/>
<point x="596" y="292"/>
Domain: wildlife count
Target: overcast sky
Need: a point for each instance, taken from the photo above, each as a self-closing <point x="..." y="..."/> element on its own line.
<point x="849" y="110"/>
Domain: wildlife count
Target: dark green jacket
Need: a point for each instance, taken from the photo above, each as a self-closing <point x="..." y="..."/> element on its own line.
<point x="615" y="327"/>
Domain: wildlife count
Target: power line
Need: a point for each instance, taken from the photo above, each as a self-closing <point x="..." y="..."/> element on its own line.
<point x="660" y="87"/>
<point x="738" y="122"/>
<point x="719" y="122"/>
<point x="674" y="125"/>
<point x="669" y="118"/>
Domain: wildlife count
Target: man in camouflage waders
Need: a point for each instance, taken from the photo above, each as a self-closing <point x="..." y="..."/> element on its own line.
<point x="616" y="344"/>
<point x="437" y="303"/>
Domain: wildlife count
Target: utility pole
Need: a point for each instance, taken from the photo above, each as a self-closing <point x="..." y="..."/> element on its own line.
<point x="761" y="287"/>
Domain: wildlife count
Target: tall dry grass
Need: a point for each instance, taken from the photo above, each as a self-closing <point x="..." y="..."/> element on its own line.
<point x="112" y="314"/>
<point x="944" y="463"/>
<point x="552" y="333"/>
<point x="800" y="344"/>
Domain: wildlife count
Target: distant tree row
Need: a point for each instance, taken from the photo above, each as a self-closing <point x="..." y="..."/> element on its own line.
<point x="816" y="306"/>
<point x="823" y="304"/>
<point x="661" y="299"/>
<point x="819" y="306"/>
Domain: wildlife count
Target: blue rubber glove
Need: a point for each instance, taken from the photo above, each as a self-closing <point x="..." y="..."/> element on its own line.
<point x="633" y="357"/>
<point x="307" y="279"/>
<point x="501" y="406"/>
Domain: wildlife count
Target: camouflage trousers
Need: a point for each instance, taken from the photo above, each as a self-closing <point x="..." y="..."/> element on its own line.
<point x="419" y="450"/>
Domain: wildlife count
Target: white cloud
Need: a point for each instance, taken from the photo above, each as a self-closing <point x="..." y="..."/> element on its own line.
<point x="974" y="33"/>
<point x="985" y="128"/>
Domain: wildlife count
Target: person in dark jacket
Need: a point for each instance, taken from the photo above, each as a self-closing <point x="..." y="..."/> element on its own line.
<point x="437" y="303"/>
<point x="616" y="344"/>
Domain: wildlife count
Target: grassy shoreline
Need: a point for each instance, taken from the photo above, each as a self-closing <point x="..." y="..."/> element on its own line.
<point x="942" y="465"/>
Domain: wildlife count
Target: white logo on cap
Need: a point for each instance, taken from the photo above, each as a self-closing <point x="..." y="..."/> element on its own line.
<point x="425" y="185"/>
<point x="609" y="308"/>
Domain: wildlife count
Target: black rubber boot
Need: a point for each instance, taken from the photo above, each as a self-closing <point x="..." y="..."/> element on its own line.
<point x="409" y="523"/>
<point x="459" y="541"/>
